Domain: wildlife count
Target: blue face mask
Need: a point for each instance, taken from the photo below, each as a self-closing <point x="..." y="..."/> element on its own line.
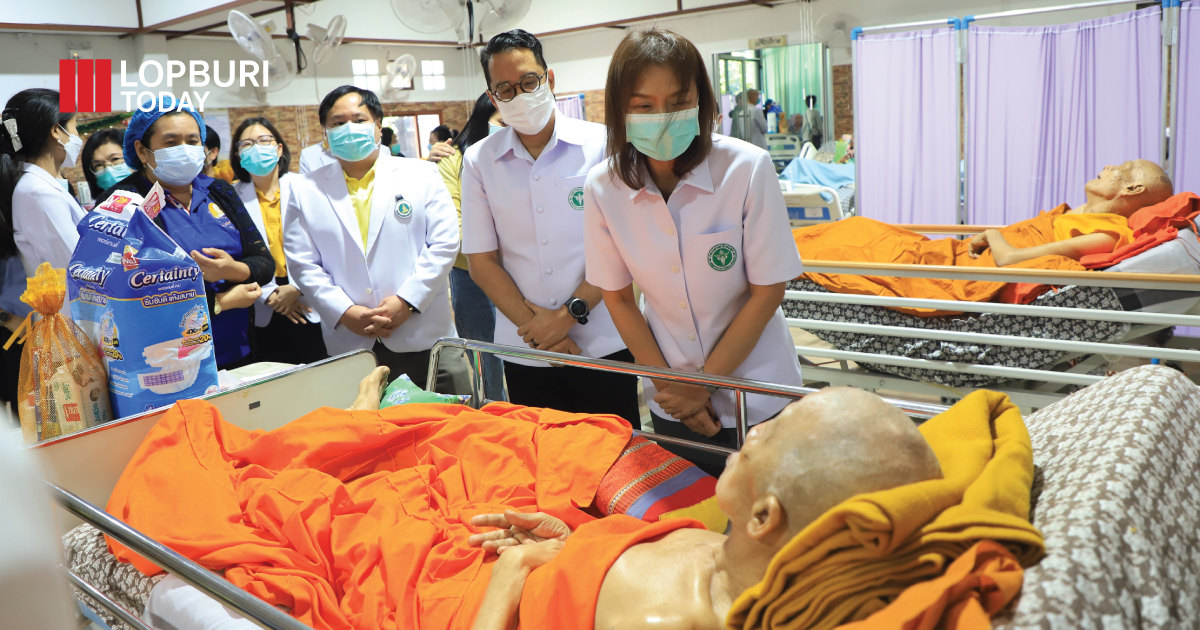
<point x="396" y="149"/>
<point x="109" y="177"/>
<point x="352" y="142"/>
<point x="494" y="129"/>
<point x="663" y="137"/>
<point x="258" y="159"/>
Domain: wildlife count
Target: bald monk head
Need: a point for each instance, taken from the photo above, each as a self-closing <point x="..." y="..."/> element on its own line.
<point x="817" y="453"/>
<point x="1128" y="187"/>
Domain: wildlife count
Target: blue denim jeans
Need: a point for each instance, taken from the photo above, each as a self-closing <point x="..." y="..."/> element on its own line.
<point x="475" y="318"/>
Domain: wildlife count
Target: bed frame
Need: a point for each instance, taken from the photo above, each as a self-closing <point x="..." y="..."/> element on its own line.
<point x="83" y="468"/>
<point x="1048" y="385"/>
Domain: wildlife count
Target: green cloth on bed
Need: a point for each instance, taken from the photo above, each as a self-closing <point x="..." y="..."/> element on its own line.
<point x="403" y="391"/>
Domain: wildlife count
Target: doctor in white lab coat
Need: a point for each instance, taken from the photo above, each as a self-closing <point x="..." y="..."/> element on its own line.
<point x="36" y="140"/>
<point x="370" y="241"/>
<point x="286" y="329"/>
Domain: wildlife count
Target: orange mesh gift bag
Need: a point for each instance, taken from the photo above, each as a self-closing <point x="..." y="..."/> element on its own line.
<point x="62" y="387"/>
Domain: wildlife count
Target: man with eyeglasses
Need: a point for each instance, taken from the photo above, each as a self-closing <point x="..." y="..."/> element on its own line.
<point x="522" y="219"/>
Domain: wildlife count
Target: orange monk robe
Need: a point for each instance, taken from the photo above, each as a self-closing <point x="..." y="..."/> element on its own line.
<point x="859" y="239"/>
<point x="563" y="593"/>
<point x="359" y="520"/>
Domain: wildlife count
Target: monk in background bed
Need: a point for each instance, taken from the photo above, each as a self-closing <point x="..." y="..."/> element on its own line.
<point x="1118" y="220"/>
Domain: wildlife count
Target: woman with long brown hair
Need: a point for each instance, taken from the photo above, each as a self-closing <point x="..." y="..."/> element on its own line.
<point x="698" y="221"/>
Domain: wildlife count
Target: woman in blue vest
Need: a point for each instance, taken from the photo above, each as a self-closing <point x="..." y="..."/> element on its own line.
<point x="203" y="215"/>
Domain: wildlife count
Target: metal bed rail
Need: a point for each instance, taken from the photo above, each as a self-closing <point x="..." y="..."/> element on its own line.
<point x="1167" y="319"/>
<point x="252" y="608"/>
<point x="740" y="386"/>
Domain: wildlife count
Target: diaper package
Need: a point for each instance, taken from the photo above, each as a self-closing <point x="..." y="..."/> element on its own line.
<point x="140" y="297"/>
<point x="61" y="386"/>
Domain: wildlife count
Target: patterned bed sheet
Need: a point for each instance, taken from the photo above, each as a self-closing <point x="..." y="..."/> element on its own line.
<point x="980" y="354"/>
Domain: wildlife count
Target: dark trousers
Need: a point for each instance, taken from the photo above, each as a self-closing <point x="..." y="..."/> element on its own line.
<point x="574" y="389"/>
<point x="284" y="341"/>
<point x="454" y="373"/>
<point x="711" y="463"/>
<point x="10" y="372"/>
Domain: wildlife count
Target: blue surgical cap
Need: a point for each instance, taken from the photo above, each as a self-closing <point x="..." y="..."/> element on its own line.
<point x="141" y="121"/>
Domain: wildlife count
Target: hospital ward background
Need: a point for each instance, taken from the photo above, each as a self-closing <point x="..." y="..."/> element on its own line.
<point x="483" y="314"/>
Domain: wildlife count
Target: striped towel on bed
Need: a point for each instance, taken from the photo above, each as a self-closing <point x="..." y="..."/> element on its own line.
<point x="649" y="483"/>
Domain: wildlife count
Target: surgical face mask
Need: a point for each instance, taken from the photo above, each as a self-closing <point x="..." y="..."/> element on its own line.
<point x="494" y="129"/>
<point x="428" y="147"/>
<point x="180" y="164"/>
<point x="663" y="137"/>
<point x="529" y="112"/>
<point x="258" y="159"/>
<point x="352" y="142"/>
<point x="395" y="149"/>
<point x="107" y="178"/>
<point x="72" y="146"/>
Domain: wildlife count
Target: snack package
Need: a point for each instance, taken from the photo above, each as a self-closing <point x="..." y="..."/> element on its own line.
<point x="62" y="387"/>
<point x="140" y="297"/>
<point x="403" y="391"/>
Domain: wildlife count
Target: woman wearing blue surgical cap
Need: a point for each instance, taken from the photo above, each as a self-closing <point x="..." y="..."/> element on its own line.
<point x="203" y="215"/>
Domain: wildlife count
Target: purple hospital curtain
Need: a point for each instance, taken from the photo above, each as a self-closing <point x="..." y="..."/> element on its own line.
<point x="1048" y="107"/>
<point x="907" y="145"/>
<point x="1187" y="131"/>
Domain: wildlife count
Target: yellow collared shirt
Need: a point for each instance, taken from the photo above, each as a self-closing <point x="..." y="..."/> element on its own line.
<point x="273" y="222"/>
<point x="360" y="197"/>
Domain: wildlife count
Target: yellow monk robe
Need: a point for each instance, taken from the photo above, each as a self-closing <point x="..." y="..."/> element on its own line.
<point x="855" y="558"/>
<point x="859" y="239"/>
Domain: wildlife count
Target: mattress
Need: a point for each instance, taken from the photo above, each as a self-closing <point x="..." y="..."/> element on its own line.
<point x="1181" y="256"/>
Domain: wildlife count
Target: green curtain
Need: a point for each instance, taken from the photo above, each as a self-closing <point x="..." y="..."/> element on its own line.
<point x="793" y="72"/>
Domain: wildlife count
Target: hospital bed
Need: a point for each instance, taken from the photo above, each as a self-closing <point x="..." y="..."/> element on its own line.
<point x="1037" y="353"/>
<point x="805" y="171"/>
<point x="783" y="149"/>
<point x="1142" y="418"/>
<point x="83" y="468"/>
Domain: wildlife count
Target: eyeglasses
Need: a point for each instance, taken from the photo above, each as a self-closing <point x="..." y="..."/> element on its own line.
<point x="265" y="140"/>
<point x="99" y="165"/>
<point x="505" y="92"/>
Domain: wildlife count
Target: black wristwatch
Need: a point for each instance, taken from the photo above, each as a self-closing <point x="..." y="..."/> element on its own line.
<point x="578" y="309"/>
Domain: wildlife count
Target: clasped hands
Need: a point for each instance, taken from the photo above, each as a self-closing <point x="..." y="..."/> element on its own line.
<point x="380" y="321"/>
<point x="529" y="540"/>
<point x="691" y="405"/>
<point x="548" y="330"/>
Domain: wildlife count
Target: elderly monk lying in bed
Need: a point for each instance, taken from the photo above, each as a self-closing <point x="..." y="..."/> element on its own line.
<point x="816" y="454"/>
<point x="1055" y="240"/>
<point x="384" y="519"/>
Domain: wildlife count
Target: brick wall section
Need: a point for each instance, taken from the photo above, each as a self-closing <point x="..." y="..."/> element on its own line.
<point x="843" y="100"/>
<point x="593" y="105"/>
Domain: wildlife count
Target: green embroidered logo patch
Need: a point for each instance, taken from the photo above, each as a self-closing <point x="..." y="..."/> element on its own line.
<point x="721" y="257"/>
<point x="575" y="198"/>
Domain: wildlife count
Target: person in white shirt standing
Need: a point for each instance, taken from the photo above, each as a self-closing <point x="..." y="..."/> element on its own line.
<point x="697" y="220"/>
<point x="370" y="241"/>
<point x="522" y="216"/>
<point x="39" y="214"/>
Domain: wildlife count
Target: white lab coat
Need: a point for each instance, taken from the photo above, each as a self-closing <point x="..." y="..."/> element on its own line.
<point x="44" y="219"/>
<point x="249" y="196"/>
<point x="407" y="256"/>
<point x="314" y="157"/>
